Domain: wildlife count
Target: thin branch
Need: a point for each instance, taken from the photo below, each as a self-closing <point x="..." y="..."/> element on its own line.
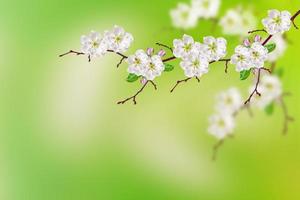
<point x="258" y="30"/>
<point x="123" y="57"/>
<point x="179" y="82"/>
<point x="166" y="46"/>
<point x="267" y="40"/>
<point x="154" y="85"/>
<point x="216" y="149"/>
<point x="133" y="98"/>
<point x="226" y="60"/>
<point x="71" y="52"/>
<point x="255" y="91"/>
<point x="169" y="59"/>
<point x="294" y="17"/>
<point x="266" y="69"/>
<point x="287" y="117"/>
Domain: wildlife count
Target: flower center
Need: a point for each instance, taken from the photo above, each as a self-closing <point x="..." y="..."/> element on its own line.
<point x="205" y="4"/>
<point x="184" y="15"/>
<point x="118" y="39"/>
<point x="152" y="66"/>
<point x="95" y="44"/>
<point x="277" y="20"/>
<point x="137" y="61"/>
<point x="255" y="54"/>
<point x="213" y="47"/>
<point x="187" y="47"/>
<point x="221" y="123"/>
<point x="196" y="63"/>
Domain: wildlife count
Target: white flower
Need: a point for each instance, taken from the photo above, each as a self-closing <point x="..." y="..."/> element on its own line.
<point x="258" y="55"/>
<point x="270" y="89"/>
<point x="241" y="58"/>
<point x="206" y="8"/>
<point x="280" y="48"/>
<point x="137" y="62"/>
<point x="277" y="22"/>
<point x="184" y="16"/>
<point x="238" y="21"/>
<point x="221" y="125"/>
<point x="153" y="68"/>
<point x="195" y="65"/>
<point x="118" y="40"/>
<point x="184" y="47"/>
<point x="93" y="45"/>
<point x="229" y="101"/>
<point x="216" y="48"/>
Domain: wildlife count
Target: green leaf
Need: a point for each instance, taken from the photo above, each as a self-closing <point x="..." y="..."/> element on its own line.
<point x="245" y="74"/>
<point x="279" y="72"/>
<point x="168" y="67"/>
<point x="271" y="47"/>
<point x="132" y="77"/>
<point x="269" y="109"/>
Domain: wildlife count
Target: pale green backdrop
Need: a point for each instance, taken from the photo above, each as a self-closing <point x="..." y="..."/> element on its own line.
<point x="64" y="138"/>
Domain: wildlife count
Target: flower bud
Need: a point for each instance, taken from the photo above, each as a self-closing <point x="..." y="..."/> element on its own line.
<point x="143" y="80"/>
<point x="161" y="53"/>
<point x="150" y="51"/>
<point x="257" y="38"/>
<point x="247" y="42"/>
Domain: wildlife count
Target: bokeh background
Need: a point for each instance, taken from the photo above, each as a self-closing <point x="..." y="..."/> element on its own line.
<point x="64" y="138"/>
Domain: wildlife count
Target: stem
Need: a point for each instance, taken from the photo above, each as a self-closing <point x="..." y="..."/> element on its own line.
<point x="294" y="17"/>
<point x="216" y="149"/>
<point x="137" y="93"/>
<point x="166" y="46"/>
<point x="179" y="82"/>
<point x="255" y="91"/>
<point x="287" y="117"/>
<point x="71" y="52"/>
<point x="258" y="30"/>
<point x="169" y="59"/>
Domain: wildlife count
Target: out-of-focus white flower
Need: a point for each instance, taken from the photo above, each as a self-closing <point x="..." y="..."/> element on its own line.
<point x="195" y="65"/>
<point x="258" y="55"/>
<point x="281" y="46"/>
<point x="118" y="40"/>
<point x="277" y="22"/>
<point x="241" y="58"/>
<point x="153" y="68"/>
<point x="137" y="62"/>
<point x="221" y="125"/>
<point x="270" y="89"/>
<point x="229" y="102"/>
<point x="184" y="16"/>
<point x="93" y="45"/>
<point x="238" y="21"/>
<point x="183" y="48"/>
<point x="206" y="8"/>
<point x="216" y="47"/>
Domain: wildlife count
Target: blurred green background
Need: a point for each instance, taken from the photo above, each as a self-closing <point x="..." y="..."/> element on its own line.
<point x="63" y="136"/>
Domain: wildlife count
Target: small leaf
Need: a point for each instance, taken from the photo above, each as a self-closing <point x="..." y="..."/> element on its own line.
<point x="168" y="67"/>
<point x="271" y="47"/>
<point x="132" y="78"/>
<point x="269" y="109"/>
<point x="279" y="72"/>
<point x="245" y="74"/>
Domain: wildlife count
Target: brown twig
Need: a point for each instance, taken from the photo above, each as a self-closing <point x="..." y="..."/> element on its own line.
<point x="166" y="46"/>
<point x="137" y="93"/>
<point x="226" y="60"/>
<point x="71" y="52"/>
<point x="169" y="59"/>
<point x="216" y="149"/>
<point x="258" y="30"/>
<point x="294" y="17"/>
<point x="123" y="57"/>
<point x="287" y="117"/>
<point x="255" y="91"/>
<point x="179" y="82"/>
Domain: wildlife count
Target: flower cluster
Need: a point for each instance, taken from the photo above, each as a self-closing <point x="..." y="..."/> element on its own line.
<point x="95" y="45"/>
<point x="238" y="21"/>
<point x="146" y="64"/>
<point x="223" y="122"/>
<point x="277" y="22"/>
<point x="249" y="56"/>
<point x="186" y="16"/>
<point x="196" y="56"/>
<point x="270" y="89"/>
